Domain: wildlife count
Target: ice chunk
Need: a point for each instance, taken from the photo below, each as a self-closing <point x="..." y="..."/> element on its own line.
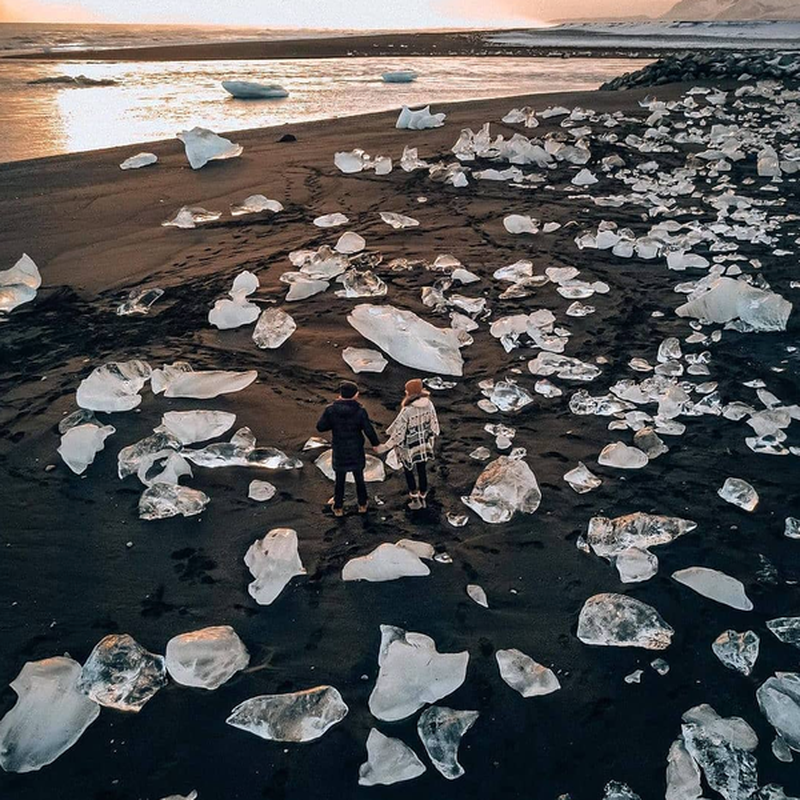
<point x="615" y="620"/>
<point x="373" y="473"/>
<point x="81" y="443"/>
<point x="683" y="774"/>
<point x="441" y="730"/>
<point x="418" y="119"/>
<point x="164" y="500"/>
<point x="139" y="160"/>
<point x="121" y="674"/>
<point x="412" y="673"/>
<point x="201" y="385"/>
<point x="241" y="451"/>
<point x="477" y="595"/>
<point x="622" y="456"/>
<point x="715" y="585"/>
<point x="779" y="701"/>
<point x="387" y="562"/>
<point x="571" y="369"/>
<point x="650" y="443"/>
<point x="727" y="299"/>
<point x="361" y="284"/>
<point x="388" y="761"/>
<point x="398" y="76"/>
<point x="506" y="486"/>
<point x="739" y="493"/>
<point x="786" y="629"/>
<point x="249" y="90"/>
<point x="584" y="178"/>
<point x="398" y="221"/>
<point x="292" y="717"/>
<point x="206" y="658"/>
<point x="139" y="301"/>
<point x="408" y="339"/>
<point x="188" y="217"/>
<point x="518" y="223"/>
<point x="189" y="427"/>
<point x="273" y="561"/>
<point x="581" y="479"/>
<point x="203" y="145"/>
<point x="255" y="204"/>
<point x="362" y="359"/>
<point x="191" y="796"/>
<point x="349" y="243"/>
<point x="18" y="285"/>
<point x="49" y="716"/>
<point x="229" y="314"/>
<point x="331" y="220"/>
<point x="507" y="395"/>
<point x="634" y="677"/>
<point x="738" y="651"/>
<point x="273" y="328"/>
<point x="525" y="675"/>
<point x="261" y="491"/>
<point x="615" y="790"/>
<point x="114" y="386"/>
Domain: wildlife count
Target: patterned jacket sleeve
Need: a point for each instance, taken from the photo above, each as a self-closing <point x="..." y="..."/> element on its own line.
<point x="397" y="431"/>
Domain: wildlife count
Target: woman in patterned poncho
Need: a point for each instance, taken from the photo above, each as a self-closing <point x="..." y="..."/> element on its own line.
<point x="413" y="434"/>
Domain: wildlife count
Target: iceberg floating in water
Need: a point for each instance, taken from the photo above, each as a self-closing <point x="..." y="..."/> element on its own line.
<point x="525" y="675"/>
<point x="408" y="339"/>
<point x="715" y="585"/>
<point x="203" y="145"/>
<point x="121" y="674"/>
<point x="114" y="386"/>
<point x="18" y="285"/>
<point x="206" y="658"/>
<point x="273" y="561"/>
<point x="616" y="620"/>
<point x="400" y="76"/>
<point x="441" y="730"/>
<point x="292" y="717"/>
<point x="419" y="119"/>
<point x="506" y="486"/>
<point x="388" y="761"/>
<point x="139" y="160"/>
<point x="412" y="673"/>
<point x="49" y="716"/>
<point x="249" y="90"/>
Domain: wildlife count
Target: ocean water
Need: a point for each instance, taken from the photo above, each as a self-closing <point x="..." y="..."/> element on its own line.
<point x="151" y="101"/>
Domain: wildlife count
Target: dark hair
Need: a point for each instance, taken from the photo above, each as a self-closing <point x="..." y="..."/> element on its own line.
<point x="348" y="390"/>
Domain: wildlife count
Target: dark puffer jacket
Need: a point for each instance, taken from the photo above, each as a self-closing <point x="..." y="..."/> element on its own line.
<point x="349" y="422"/>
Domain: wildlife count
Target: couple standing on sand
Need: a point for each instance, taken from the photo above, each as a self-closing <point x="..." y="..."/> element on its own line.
<point x="413" y="434"/>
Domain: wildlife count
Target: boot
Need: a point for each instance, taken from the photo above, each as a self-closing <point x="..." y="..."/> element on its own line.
<point x="415" y="503"/>
<point x="423" y="499"/>
<point x="338" y="512"/>
<point x="363" y="509"/>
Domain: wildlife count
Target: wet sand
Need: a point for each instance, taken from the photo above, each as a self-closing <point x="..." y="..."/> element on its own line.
<point x="68" y="577"/>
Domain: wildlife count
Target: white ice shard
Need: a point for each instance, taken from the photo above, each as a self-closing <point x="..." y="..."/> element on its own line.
<point x="188" y="217"/>
<point x="119" y="673"/>
<point x="525" y="675"/>
<point x="139" y="301"/>
<point x="255" y="204"/>
<point x="581" y="479"/>
<point x="737" y="651"/>
<point x="203" y="145"/>
<point x="519" y="223"/>
<point x="739" y="493"/>
<point x="241" y="451"/>
<point x="506" y="486"/>
<point x="81" y="443"/>
<point x="441" y="730"/>
<point x="292" y="717"/>
<point x="726" y="299"/>
<point x="398" y="221"/>
<point x="273" y="328"/>
<point x="584" y="178"/>
<point x="615" y="790"/>
<point x="477" y="594"/>
<point x="206" y="658"/>
<point x="388" y="761"/>
<point x="331" y="220"/>
<point x="616" y="620"/>
<point x="249" y="90"/>
<point x="273" y="561"/>
<point x="49" y="716"/>
<point x="373" y="473"/>
<point x="716" y="586"/>
<point x="418" y="119"/>
<point x="18" y="285"/>
<point x="362" y="359"/>
<point x="622" y="456"/>
<point x="200" y="425"/>
<point x="261" y="491"/>
<point x="571" y="369"/>
<point x="412" y="673"/>
<point x="165" y="500"/>
<point x="786" y="629"/>
<point x="683" y="774"/>
<point x="387" y="562"/>
<point x="399" y="76"/>
<point x="349" y="243"/>
<point x="114" y="386"/>
<point x="356" y="283"/>
<point x="139" y="160"/>
<point x="228" y="314"/>
<point x="180" y="380"/>
<point x="506" y="395"/>
<point x="408" y="339"/>
<point x="779" y="701"/>
<point x="191" y="796"/>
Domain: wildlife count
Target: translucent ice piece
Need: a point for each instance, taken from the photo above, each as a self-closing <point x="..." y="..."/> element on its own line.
<point x="164" y="500"/>
<point x="18" y="285"/>
<point x="388" y="761"/>
<point x="737" y="651"/>
<point x="398" y="221"/>
<point x="81" y="443"/>
<point x="114" y="386"/>
<point x="616" y="620"/>
<point x="189" y="427"/>
<point x="525" y="675"/>
<point x="206" y="658"/>
<point x="779" y="701"/>
<point x="241" y="451"/>
<point x="739" y="493"/>
<point x="139" y="160"/>
<point x="441" y="730"/>
<point x="261" y="491"/>
<point x="477" y="595"/>
<point x="273" y="328"/>
<point x="622" y="456"/>
<point x="139" y="301"/>
<point x="203" y="145"/>
<point x="188" y="217"/>
<point x="716" y="586"/>
<point x="581" y="479"/>
<point x="387" y="562"/>
<point x="273" y="561"/>
<point x="255" y="204"/>
<point x="418" y="119"/>
<point x="373" y="473"/>
<point x="362" y="359"/>
<point x="505" y="487"/>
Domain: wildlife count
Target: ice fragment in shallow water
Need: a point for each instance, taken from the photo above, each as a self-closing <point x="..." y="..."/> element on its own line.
<point x="273" y="561"/>
<point x="114" y="386"/>
<point x="412" y="673"/>
<point x="525" y="675"/>
<point x="581" y="479"/>
<point x="387" y="562"/>
<point x="292" y="717"/>
<point x="399" y="76"/>
<point x="388" y="761"/>
<point x="441" y="730"/>
<point x="505" y="487"/>
<point x="203" y="145"/>
<point x="49" y="716"/>
<point x="81" y="443"/>
<point x="739" y="493"/>
<point x="249" y="90"/>
<point x="418" y="119"/>
<point x="18" y="285"/>
<point x="715" y="585"/>
<point x="273" y="328"/>
<point x="139" y="160"/>
<point x="121" y="674"/>
<point x="737" y="651"/>
<point x="779" y="701"/>
<point x="206" y="658"/>
<point x="261" y="491"/>
<point x="615" y="620"/>
<point x="164" y="500"/>
<point x="477" y="594"/>
<point x="622" y="456"/>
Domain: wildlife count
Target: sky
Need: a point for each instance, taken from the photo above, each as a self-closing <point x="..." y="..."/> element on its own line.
<point x="367" y="14"/>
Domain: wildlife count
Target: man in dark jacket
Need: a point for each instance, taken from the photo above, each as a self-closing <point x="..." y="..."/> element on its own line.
<point x="349" y="422"/>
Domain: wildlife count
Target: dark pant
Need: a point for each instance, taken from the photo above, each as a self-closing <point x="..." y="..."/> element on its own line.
<point x="361" y="487"/>
<point x="423" y="478"/>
